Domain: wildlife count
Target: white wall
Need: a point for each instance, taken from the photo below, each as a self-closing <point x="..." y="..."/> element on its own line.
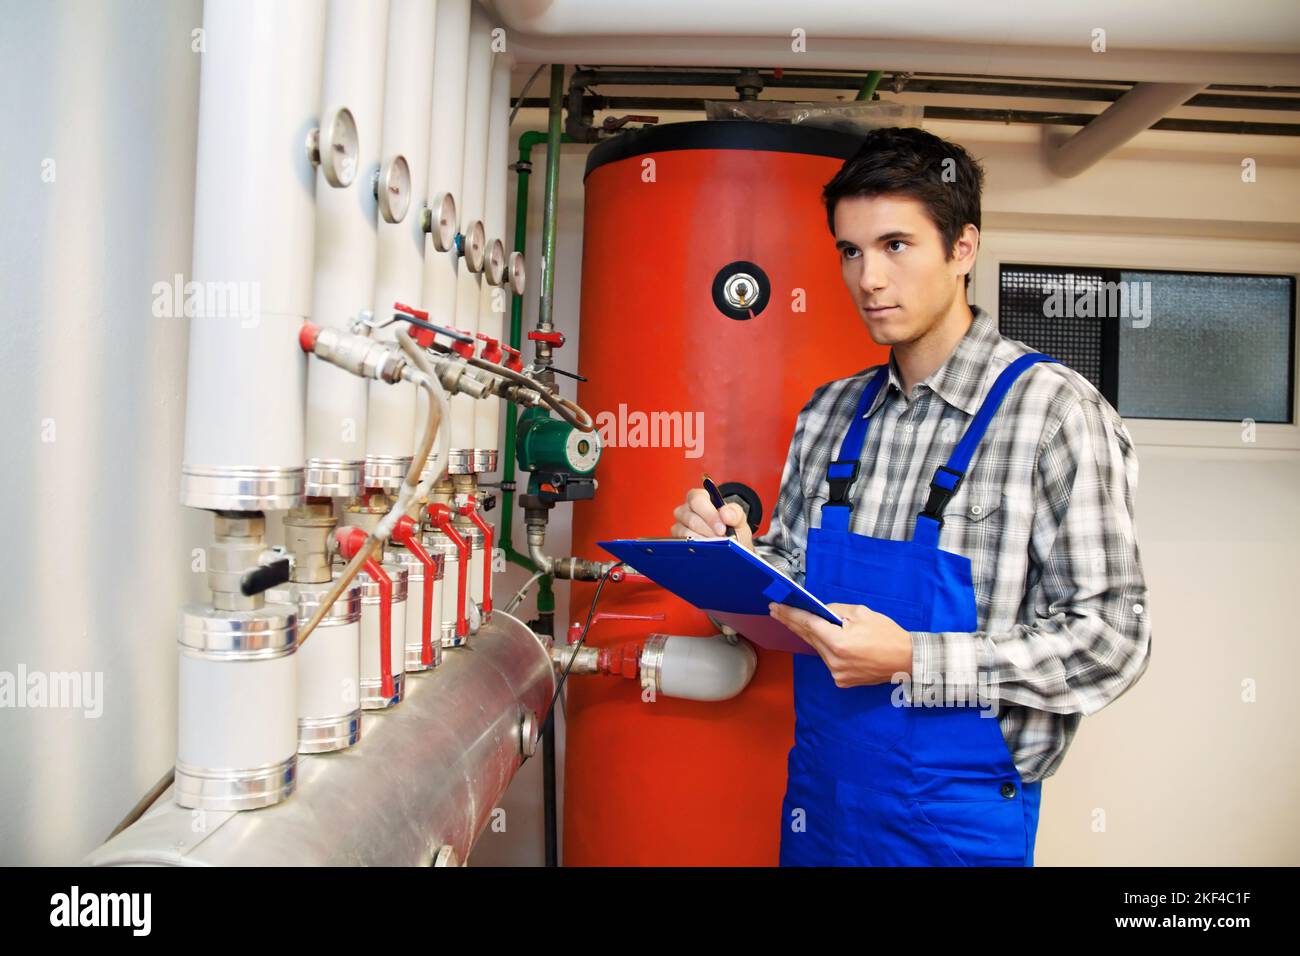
<point x="99" y="104"/>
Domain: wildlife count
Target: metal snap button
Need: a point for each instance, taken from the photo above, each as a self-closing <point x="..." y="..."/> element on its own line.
<point x="1008" y="790"/>
<point x="976" y="510"/>
<point x="1137" y="608"/>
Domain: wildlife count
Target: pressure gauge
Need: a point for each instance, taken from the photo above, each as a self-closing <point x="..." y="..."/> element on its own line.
<point x="515" y="269"/>
<point x="474" y="247"/>
<point x="440" y="222"/>
<point x="393" y="189"/>
<point x="582" y="450"/>
<point x="333" y="147"/>
<point x="495" y="271"/>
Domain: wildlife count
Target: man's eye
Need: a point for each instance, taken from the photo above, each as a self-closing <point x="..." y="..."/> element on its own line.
<point x="897" y="242"/>
<point x="849" y="252"/>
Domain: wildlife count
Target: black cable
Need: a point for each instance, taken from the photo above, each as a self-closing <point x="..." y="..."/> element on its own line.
<point x="430" y="327"/>
<point x="591" y="612"/>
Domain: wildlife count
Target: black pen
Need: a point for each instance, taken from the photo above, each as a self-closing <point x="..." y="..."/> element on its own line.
<point x="716" y="497"/>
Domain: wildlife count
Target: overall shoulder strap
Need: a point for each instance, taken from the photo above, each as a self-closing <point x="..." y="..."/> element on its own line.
<point x="843" y="471"/>
<point x="949" y="477"/>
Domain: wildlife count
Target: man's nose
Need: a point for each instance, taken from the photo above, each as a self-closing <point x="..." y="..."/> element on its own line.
<point x="872" y="278"/>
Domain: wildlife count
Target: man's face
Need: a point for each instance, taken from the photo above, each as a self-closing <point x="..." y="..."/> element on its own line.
<point x="893" y="260"/>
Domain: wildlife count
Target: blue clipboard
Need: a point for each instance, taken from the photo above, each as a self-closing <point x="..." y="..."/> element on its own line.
<point x="726" y="580"/>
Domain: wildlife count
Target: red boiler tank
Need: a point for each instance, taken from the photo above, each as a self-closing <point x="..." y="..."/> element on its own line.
<point x="711" y="289"/>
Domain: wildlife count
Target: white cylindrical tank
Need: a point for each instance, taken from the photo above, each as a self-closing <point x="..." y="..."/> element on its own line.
<point x="356" y="44"/>
<point x="446" y="168"/>
<point x="408" y="88"/>
<point x="254" y="210"/>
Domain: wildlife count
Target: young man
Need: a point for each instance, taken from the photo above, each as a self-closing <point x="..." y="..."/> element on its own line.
<point x="967" y="510"/>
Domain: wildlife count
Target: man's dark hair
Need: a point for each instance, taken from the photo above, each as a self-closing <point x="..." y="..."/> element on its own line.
<point x="907" y="161"/>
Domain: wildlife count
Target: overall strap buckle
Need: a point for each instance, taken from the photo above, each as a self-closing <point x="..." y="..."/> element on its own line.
<point x="943" y="486"/>
<point x="840" y="475"/>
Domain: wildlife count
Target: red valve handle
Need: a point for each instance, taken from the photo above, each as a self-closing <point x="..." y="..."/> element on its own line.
<point x="423" y="337"/>
<point x="440" y="515"/>
<point x="513" y="361"/>
<point x="406" y="533"/>
<point x="350" y="541"/>
<point x="575" y="629"/>
<point x="556" y="338"/>
<point x="486" y="528"/>
<point x="492" y="350"/>
<point x="463" y="349"/>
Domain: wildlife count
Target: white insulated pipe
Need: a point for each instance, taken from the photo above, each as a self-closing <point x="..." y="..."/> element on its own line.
<point x="445" y="168"/>
<point x="1129" y="115"/>
<point x="408" y="91"/>
<point x="697" y="668"/>
<point x="473" y="188"/>
<point x="356" y="44"/>
<point x="254" y="228"/>
<point x="495" y="299"/>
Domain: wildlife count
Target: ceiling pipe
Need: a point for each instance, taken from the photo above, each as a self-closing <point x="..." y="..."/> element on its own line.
<point x="1132" y="113"/>
<point x="919" y="37"/>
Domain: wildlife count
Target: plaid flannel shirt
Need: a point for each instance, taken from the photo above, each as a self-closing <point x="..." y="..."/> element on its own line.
<point x="1045" y="515"/>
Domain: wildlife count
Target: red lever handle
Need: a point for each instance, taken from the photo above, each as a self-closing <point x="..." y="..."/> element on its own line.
<point x="513" y="361"/>
<point x="423" y="337"/>
<point x="440" y="515"/>
<point x="406" y="533"/>
<point x="476" y="517"/>
<point x="555" y="338"/>
<point x="575" y="629"/>
<point x="492" y="350"/>
<point x="350" y="541"/>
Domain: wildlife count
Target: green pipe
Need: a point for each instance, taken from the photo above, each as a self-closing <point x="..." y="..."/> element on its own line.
<point x="529" y="139"/>
<point x="869" y="87"/>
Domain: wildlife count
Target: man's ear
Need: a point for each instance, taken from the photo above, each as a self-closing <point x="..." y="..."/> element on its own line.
<point x="965" y="249"/>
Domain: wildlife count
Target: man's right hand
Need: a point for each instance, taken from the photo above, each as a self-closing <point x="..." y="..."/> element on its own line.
<point x="697" y="517"/>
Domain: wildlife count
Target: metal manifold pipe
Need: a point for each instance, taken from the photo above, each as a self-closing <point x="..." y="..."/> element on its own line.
<point x="417" y="790"/>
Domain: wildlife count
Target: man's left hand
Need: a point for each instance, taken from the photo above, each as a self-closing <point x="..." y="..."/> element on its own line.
<point x="868" y="649"/>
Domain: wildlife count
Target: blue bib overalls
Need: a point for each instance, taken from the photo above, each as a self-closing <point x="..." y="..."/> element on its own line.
<point x="872" y="783"/>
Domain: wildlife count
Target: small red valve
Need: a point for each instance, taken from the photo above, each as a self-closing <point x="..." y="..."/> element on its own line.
<point x="623" y="574"/>
<point x="513" y="361"/>
<point x="461" y="348"/>
<point x="492" y="350"/>
<point x="556" y="338"/>
<point x="423" y="337"/>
